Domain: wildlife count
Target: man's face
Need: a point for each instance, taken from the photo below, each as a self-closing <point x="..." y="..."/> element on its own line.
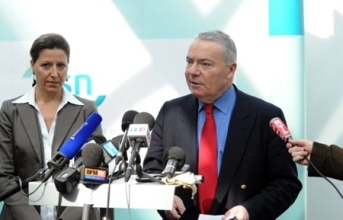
<point x="206" y="74"/>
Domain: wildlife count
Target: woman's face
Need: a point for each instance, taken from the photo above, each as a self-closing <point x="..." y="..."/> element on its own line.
<point x="51" y="70"/>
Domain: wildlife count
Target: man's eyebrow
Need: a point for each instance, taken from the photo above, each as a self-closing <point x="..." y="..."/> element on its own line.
<point x="201" y="60"/>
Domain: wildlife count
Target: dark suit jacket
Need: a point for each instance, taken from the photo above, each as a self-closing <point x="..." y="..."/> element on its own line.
<point x="21" y="148"/>
<point x="328" y="160"/>
<point x="256" y="172"/>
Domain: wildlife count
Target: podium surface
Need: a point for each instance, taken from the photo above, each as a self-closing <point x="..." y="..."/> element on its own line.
<point x="132" y="194"/>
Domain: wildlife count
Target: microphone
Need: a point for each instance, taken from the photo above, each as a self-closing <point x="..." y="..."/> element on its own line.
<point x="73" y="145"/>
<point x="92" y="173"/>
<point x="99" y="139"/>
<point x="280" y="129"/>
<point x="174" y="159"/>
<point x="139" y="135"/>
<point x="110" y="149"/>
<point x="66" y="180"/>
<point x="127" y="120"/>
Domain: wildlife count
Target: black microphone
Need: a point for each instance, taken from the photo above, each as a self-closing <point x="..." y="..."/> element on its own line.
<point x="92" y="172"/>
<point x="73" y="145"/>
<point x="127" y="119"/>
<point x="99" y="139"/>
<point x="66" y="180"/>
<point x="139" y="135"/>
<point x="174" y="159"/>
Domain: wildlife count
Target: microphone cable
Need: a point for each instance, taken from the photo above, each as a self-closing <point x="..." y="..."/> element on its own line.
<point x="322" y="175"/>
<point x="20" y="183"/>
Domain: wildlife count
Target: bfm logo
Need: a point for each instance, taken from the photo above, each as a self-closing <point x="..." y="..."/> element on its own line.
<point x="82" y="85"/>
<point x="95" y="172"/>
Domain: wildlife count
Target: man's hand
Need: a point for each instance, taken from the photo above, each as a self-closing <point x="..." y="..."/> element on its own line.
<point x="239" y="211"/>
<point x="177" y="211"/>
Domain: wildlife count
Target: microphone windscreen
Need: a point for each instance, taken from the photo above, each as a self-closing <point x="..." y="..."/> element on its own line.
<point x="144" y="118"/>
<point x="128" y="119"/>
<point x="116" y="140"/>
<point x="176" y="153"/>
<point x="92" y="155"/>
<point x="76" y="141"/>
<point x="99" y="139"/>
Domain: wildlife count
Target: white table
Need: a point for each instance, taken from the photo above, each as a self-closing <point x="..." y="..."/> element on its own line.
<point x="123" y="195"/>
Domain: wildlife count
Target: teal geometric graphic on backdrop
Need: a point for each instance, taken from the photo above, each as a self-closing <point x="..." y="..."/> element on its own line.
<point x="28" y="73"/>
<point x="286" y="17"/>
<point x="170" y="19"/>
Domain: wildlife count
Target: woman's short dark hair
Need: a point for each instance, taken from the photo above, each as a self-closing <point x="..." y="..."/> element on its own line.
<point x="49" y="41"/>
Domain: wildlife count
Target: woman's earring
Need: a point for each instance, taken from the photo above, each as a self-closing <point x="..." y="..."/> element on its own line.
<point x="34" y="77"/>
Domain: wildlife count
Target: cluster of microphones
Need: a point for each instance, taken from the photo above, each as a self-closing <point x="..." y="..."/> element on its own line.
<point x="92" y="167"/>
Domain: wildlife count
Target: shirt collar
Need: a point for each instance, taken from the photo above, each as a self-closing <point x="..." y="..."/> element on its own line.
<point x="29" y="97"/>
<point x="224" y="101"/>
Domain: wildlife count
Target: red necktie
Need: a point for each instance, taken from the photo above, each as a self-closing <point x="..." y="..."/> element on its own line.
<point x="207" y="166"/>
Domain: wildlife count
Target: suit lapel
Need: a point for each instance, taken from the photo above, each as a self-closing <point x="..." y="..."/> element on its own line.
<point x="65" y="120"/>
<point x="240" y="127"/>
<point x="187" y="129"/>
<point x="28" y="116"/>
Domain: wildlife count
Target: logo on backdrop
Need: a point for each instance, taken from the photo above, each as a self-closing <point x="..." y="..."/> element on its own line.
<point x="82" y="86"/>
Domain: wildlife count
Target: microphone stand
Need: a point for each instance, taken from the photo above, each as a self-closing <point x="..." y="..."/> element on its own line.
<point x="114" y="176"/>
<point x="23" y="184"/>
<point x="141" y="174"/>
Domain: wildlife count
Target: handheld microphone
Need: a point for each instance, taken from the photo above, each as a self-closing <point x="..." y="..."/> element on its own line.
<point x="174" y="159"/>
<point x="73" y="145"/>
<point x="280" y="129"/>
<point x="92" y="173"/>
<point x="139" y="134"/>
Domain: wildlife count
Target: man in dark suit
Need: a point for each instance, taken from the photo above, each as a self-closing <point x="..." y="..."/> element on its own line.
<point x="256" y="177"/>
